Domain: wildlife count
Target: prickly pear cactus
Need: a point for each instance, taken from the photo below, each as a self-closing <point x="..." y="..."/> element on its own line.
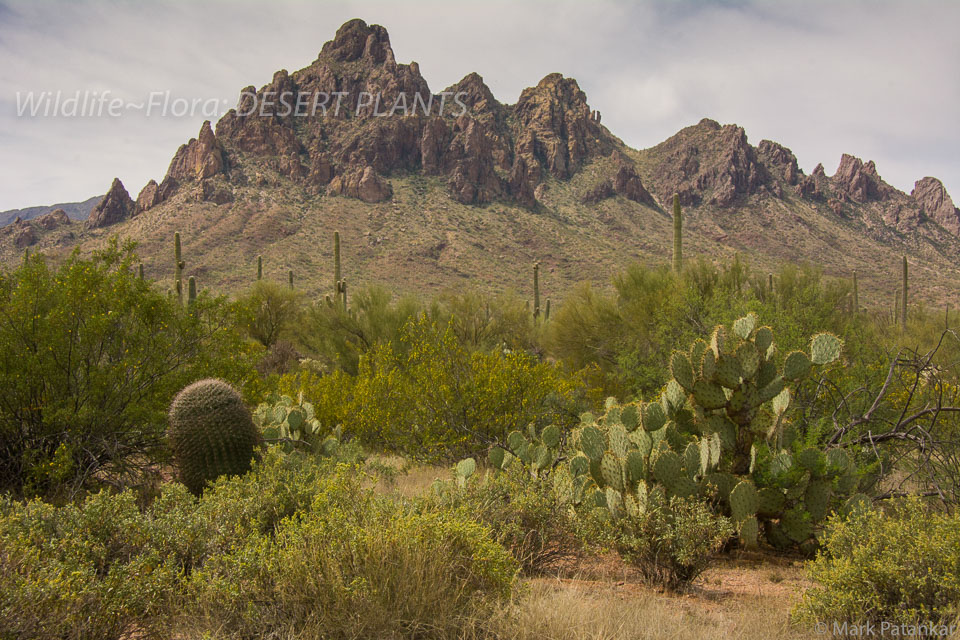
<point x="211" y="433"/>
<point x="292" y="424"/>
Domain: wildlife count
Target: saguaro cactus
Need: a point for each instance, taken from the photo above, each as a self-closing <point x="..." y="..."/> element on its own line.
<point x="259" y="267"/>
<point x="336" y="262"/>
<point x="677" y="234"/>
<point x="290" y="277"/>
<point x="178" y="264"/>
<point x="191" y="291"/>
<point x="140" y="270"/>
<point x="536" y="290"/>
<point x="903" y="293"/>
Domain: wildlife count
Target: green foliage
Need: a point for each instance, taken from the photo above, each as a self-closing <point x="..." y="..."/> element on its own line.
<point x="269" y="312"/>
<point x="337" y="338"/>
<point x="297" y="545"/>
<point x="90" y="357"/>
<point x="900" y="565"/>
<point x="211" y="433"/>
<point x="672" y="540"/>
<point x="433" y="399"/>
<point x="521" y="511"/>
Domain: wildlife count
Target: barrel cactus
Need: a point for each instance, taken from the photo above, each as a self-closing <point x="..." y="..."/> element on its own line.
<point x="211" y="433"/>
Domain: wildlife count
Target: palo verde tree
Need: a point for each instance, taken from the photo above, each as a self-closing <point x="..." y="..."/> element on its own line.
<point x="90" y="357"/>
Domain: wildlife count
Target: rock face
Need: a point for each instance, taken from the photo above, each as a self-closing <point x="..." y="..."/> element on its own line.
<point x="707" y="162"/>
<point x="936" y="203"/>
<point x="114" y="207"/>
<point x="355" y="108"/>
<point x="363" y="184"/>
<point x="149" y="197"/>
<point x="626" y="183"/>
<point x="860" y="181"/>
<point x="200" y="158"/>
<point x="53" y="220"/>
<point x="24" y="235"/>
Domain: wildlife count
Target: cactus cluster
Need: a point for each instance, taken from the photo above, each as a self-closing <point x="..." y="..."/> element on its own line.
<point x="293" y="424"/>
<point x="537" y="451"/>
<point x="211" y="433"/>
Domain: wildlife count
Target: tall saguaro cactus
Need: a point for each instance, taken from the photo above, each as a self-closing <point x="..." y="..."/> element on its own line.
<point x="677" y="234"/>
<point x="259" y="267"/>
<point x="179" y="264"/>
<point x="290" y="277"/>
<point x="191" y="291"/>
<point x="536" y="290"/>
<point x="903" y="293"/>
<point x="336" y="263"/>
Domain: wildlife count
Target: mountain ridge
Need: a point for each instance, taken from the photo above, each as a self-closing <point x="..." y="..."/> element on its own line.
<point x="541" y="179"/>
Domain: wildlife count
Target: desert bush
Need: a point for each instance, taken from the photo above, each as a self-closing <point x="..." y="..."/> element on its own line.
<point x="434" y="399"/>
<point x="352" y="565"/>
<point x="269" y="312"/>
<point x="90" y="357"/>
<point x="522" y="511"/>
<point x="900" y="565"/>
<point x="672" y="541"/>
<point x="338" y="337"/>
<point x="84" y="571"/>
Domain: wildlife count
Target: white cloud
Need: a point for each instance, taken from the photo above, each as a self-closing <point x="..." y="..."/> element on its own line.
<point x="875" y="79"/>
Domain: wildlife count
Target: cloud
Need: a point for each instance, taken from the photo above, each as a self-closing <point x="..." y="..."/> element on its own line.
<point x="875" y="79"/>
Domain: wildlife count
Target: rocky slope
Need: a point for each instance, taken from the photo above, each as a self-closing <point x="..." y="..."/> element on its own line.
<point x="430" y="190"/>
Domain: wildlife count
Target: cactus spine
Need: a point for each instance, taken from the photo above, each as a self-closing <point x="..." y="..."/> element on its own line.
<point x="259" y="267"/>
<point x="677" y="234"/>
<point x="179" y="264"/>
<point x="536" y="290"/>
<point x="903" y="293"/>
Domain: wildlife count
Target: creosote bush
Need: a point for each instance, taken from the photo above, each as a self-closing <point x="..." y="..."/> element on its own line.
<point x="899" y="565"/>
<point x="295" y="547"/>
<point x="672" y="541"/>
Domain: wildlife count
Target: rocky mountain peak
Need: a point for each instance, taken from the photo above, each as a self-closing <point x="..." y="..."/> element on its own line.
<point x="936" y="203"/>
<point x="355" y="40"/>
<point x="117" y="205"/>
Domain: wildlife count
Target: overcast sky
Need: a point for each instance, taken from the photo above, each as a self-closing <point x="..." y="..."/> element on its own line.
<point x="879" y="80"/>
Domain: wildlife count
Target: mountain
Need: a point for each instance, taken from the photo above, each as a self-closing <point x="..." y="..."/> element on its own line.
<point x="73" y="210"/>
<point x="431" y="190"/>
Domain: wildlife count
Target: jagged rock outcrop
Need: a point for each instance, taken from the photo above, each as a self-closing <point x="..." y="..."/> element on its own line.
<point x="812" y="187"/>
<point x="779" y="159"/>
<point x="200" y="158"/>
<point x="363" y="184"/>
<point x="24" y="235"/>
<point x="343" y="103"/>
<point x="936" y="203"/>
<point x="117" y="205"/>
<point x="149" y="197"/>
<point x="53" y="220"/>
<point x="858" y="181"/>
<point x="625" y="182"/>
<point x="707" y="162"/>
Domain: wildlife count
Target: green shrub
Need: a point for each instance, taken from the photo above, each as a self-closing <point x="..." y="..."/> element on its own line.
<point x="672" y="541"/>
<point x="269" y="312"/>
<point x="898" y="566"/>
<point x="353" y="565"/>
<point x="521" y="511"/>
<point x="85" y="571"/>
<point x="431" y="398"/>
<point x="90" y="357"/>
